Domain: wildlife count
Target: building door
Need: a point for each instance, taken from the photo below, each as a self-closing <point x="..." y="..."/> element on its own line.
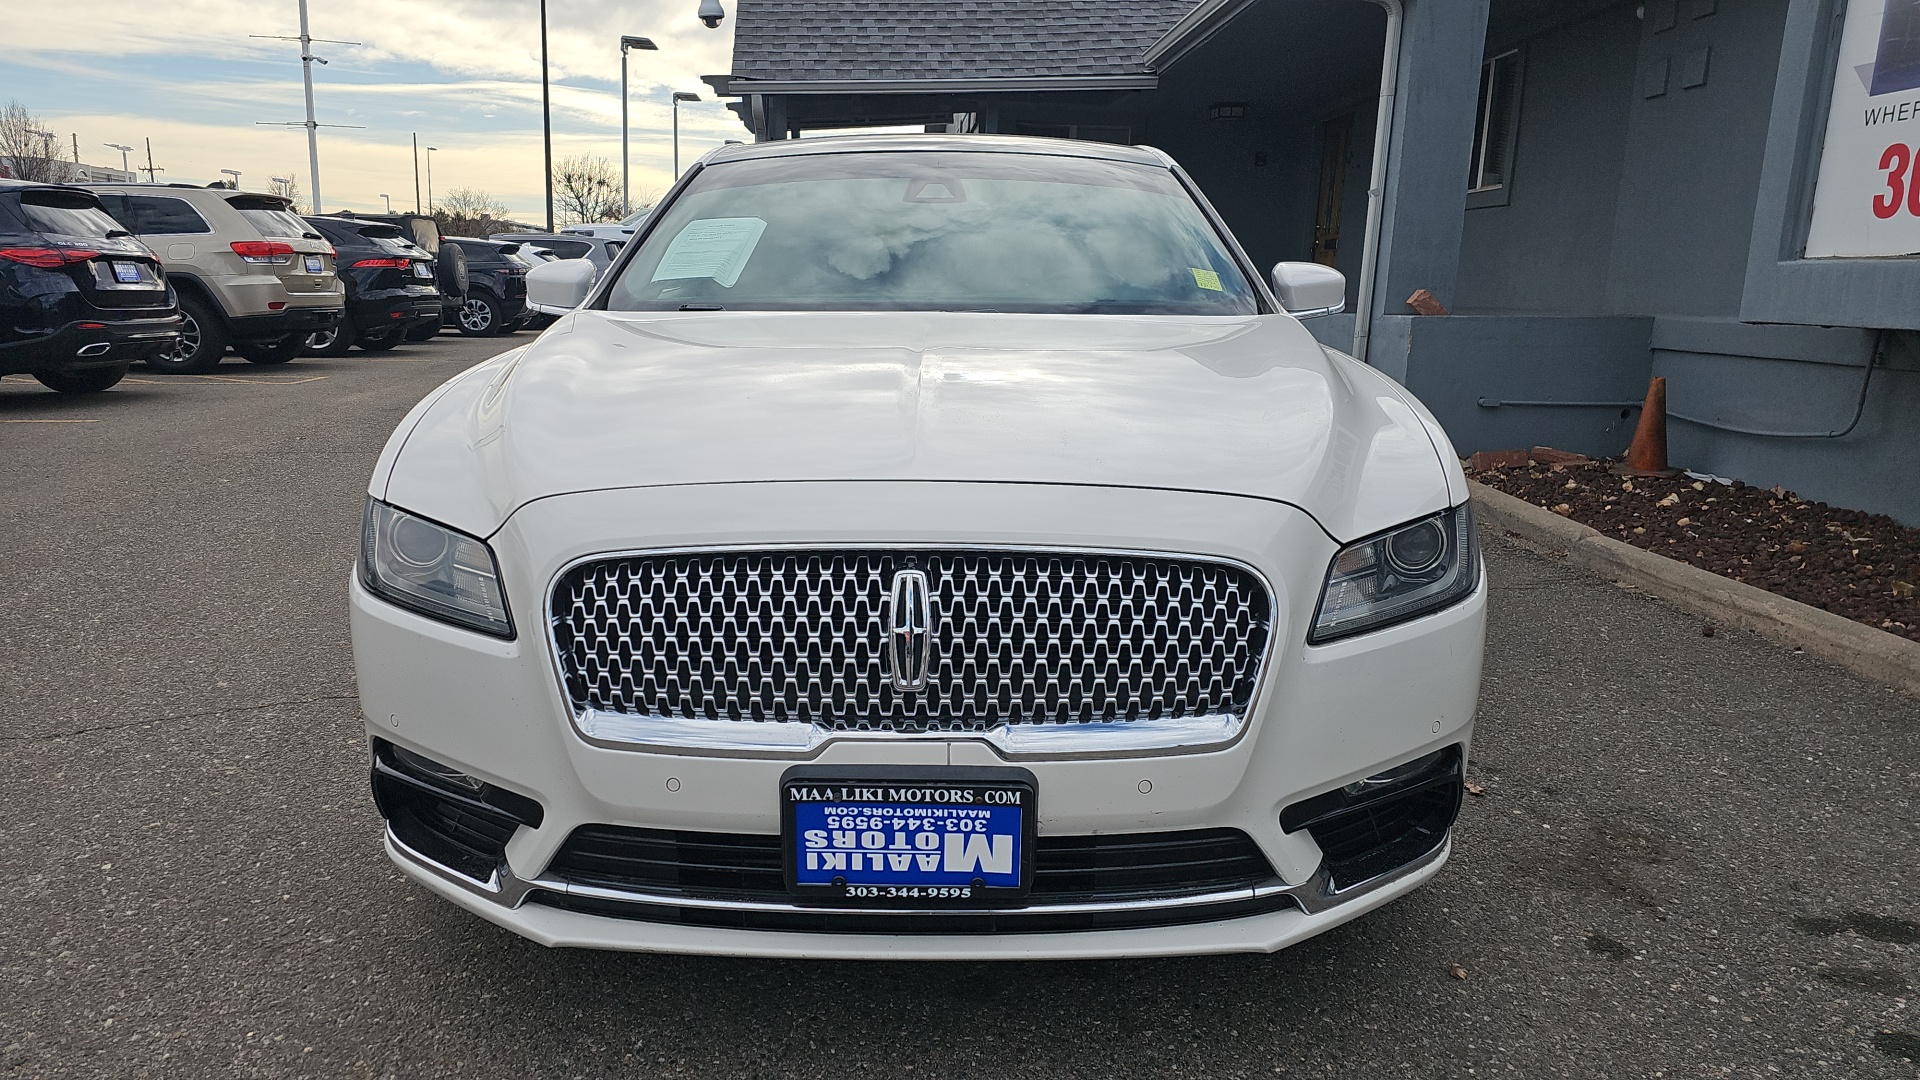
<point x="1334" y="137"/>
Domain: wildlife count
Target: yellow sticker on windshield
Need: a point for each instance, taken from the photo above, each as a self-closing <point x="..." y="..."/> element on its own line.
<point x="1206" y="279"/>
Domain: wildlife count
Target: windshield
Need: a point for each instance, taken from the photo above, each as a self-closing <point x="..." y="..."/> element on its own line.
<point x="67" y="213"/>
<point x="962" y="231"/>
<point x="282" y="223"/>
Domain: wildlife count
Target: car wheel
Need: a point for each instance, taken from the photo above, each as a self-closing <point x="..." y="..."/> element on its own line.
<point x="82" y="382"/>
<point x="274" y="352"/>
<point x="382" y="344"/>
<point x="332" y="341"/>
<point x="479" y="316"/>
<point x="202" y="344"/>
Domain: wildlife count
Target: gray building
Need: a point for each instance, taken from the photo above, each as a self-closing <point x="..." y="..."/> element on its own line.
<point x="1597" y="191"/>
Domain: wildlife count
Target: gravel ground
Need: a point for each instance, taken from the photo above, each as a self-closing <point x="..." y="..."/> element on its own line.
<point x="1855" y="564"/>
<point x="1694" y="857"/>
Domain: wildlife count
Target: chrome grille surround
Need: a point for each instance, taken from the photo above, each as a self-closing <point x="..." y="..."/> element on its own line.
<point x="1044" y="650"/>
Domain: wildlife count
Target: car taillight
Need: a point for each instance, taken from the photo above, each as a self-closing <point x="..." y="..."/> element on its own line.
<point x="49" y="258"/>
<point x="397" y="263"/>
<point x="262" y="251"/>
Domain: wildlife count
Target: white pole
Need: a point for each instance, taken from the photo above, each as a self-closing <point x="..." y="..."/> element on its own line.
<point x="313" y="128"/>
<point x="1377" y="183"/>
<point x="676" y="138"/>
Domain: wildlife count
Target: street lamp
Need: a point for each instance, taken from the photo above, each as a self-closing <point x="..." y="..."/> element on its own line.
<point x="430" y="151"/>
<point x="627" y="41"/>
<point x="235" y="173"/>
<point x="546" y="114"/>
<point x="123" y="155"/>
<point x="383" y="195"/>
<point x="678" y="97"/>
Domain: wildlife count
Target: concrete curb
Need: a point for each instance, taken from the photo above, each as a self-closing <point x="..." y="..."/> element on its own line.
<point x="1873" y="654"/>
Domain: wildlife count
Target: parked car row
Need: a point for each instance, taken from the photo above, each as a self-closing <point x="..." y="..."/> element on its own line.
<point x="94" y="278"/>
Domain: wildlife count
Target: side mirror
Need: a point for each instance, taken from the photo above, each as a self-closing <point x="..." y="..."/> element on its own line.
<point x="1309" y="290"/>
<point x="558" y="287"/>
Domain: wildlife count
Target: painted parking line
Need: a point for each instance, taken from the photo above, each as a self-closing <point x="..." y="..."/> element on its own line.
<point x="7" y="420"/>
<point x="256" y="380"/>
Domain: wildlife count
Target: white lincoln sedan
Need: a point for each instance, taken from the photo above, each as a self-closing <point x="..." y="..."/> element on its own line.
<point x="921" y="547"/>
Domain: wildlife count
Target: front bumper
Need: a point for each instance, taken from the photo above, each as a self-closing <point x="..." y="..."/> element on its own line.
<point x="1326" y="716"/>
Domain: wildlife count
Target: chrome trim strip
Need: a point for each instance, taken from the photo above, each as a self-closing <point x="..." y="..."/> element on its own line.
<point x="1314" y="896"/>
<point x="1123" y="738"/>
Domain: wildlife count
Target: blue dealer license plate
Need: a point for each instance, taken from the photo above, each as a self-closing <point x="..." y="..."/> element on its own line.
<point x="906" y="837"/>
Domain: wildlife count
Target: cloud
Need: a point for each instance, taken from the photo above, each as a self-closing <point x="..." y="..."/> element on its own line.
<point x="464" y="74"/>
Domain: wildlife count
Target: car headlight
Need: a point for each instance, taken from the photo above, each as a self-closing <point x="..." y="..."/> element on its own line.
<point x="432" y="569"/>
<point x="1399" y="575"/>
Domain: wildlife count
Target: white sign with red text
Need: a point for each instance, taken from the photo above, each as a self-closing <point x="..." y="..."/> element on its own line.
<point x="1867" y="200"/>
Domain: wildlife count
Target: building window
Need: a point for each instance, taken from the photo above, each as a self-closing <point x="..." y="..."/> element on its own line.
<point x="1497" y="122"/>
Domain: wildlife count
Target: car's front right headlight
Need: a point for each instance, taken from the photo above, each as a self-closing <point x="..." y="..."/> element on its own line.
<point x="1399" y="575"/>
<point x="433" y="570"/>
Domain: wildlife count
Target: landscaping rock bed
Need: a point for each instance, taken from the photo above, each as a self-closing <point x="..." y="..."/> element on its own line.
<point x="1858" y="565"/>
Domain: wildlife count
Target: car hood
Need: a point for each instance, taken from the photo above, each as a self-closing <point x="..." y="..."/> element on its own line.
<point x="1248" y="407"/>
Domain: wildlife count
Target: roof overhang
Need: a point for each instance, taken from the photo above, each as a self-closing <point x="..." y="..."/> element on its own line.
<point x="1191" y="31"/>
<point x="736" y="85"/>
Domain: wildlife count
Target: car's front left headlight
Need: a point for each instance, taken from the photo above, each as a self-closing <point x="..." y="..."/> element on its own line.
<point x="1399" y="575"/>
<point x="433" y="570"/>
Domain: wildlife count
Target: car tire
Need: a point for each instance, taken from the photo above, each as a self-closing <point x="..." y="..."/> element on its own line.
<point x="450" y="270"/>
<point x="82" y="382"/>
<point x="274" y="352"/>
<point x="332" y="341"/>
<point x="203" y="340"/>
<point x="479" y="316"/>
<point x="381" y="345"/>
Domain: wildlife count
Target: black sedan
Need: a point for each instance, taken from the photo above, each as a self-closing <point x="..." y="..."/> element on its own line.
<point x="390" y="286"/>
<point x="80" y="298"/>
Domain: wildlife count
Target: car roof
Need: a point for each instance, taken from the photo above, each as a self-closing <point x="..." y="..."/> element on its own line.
<point x="988" y="144"/>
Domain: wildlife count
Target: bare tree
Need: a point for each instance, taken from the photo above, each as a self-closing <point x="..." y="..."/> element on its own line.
<point x="288" y="188"/>
<point x="27" y="150"/>
<point x="587" y="189"/>
<point x="470" y="212"/>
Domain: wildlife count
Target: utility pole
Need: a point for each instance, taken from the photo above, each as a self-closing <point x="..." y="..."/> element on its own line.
<point x="76" y="148"/>
<point x="313" y="128"/>
<point x="307" y="60"/>
<point x="430" y="151"/>
<point x="151" y="179"/>
<point x="416" y="172"/>
<point x="546" y="111"/>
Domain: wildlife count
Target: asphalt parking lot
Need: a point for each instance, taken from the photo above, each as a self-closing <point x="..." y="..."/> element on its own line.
<point x="1694" y="856"/>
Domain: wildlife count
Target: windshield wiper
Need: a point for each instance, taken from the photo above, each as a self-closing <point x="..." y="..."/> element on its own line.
<point x="701" y="307"/>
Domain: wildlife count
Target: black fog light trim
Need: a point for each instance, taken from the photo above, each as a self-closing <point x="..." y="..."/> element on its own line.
<point x="415" y="770"/>
<point x="1385" y="821"/>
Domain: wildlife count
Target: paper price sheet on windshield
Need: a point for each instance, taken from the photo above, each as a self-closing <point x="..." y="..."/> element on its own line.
<point x="716" y="248"/>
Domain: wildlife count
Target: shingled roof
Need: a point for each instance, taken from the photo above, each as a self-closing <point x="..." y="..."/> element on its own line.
<point x="871" y="40"/>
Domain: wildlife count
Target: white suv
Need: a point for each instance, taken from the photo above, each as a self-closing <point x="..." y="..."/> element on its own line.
<point x="249" y="272"/>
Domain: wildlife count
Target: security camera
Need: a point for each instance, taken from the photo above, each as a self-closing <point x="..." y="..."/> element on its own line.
<point x="711" y="13"/>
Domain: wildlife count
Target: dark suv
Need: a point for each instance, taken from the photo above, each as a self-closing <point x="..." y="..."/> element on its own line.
<point x="80" y="298"/>
<point x="496" y="300"/>
<point x="390" y="286"/>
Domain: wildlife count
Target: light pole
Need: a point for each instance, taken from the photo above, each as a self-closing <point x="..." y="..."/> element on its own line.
<point x="383" y="195"/>
<point x="430" y="151"/>
<point x="678" y="97"/>
<point x="416" y="172"/>
<point x="627" y="41"/>
<point x="123" y="148"/>
<point x="235" y="173"/>
<point x="546" y="114"/>
<point x="283" y="185"/>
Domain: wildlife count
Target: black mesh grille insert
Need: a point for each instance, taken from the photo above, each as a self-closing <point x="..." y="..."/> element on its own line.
<point x="737" y="866"/>
<point x="1018" y="637"/>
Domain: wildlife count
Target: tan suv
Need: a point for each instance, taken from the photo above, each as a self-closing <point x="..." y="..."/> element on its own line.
<point x="250" y="273"/>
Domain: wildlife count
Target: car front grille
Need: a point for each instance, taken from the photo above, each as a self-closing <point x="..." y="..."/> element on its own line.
<point x="1017" y="637"/>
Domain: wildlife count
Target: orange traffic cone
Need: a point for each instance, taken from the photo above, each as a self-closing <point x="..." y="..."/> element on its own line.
<point x="1647" y="456"/>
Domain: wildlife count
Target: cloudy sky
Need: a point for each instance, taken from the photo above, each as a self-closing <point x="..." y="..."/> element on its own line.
<point x="464" y="74"/>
